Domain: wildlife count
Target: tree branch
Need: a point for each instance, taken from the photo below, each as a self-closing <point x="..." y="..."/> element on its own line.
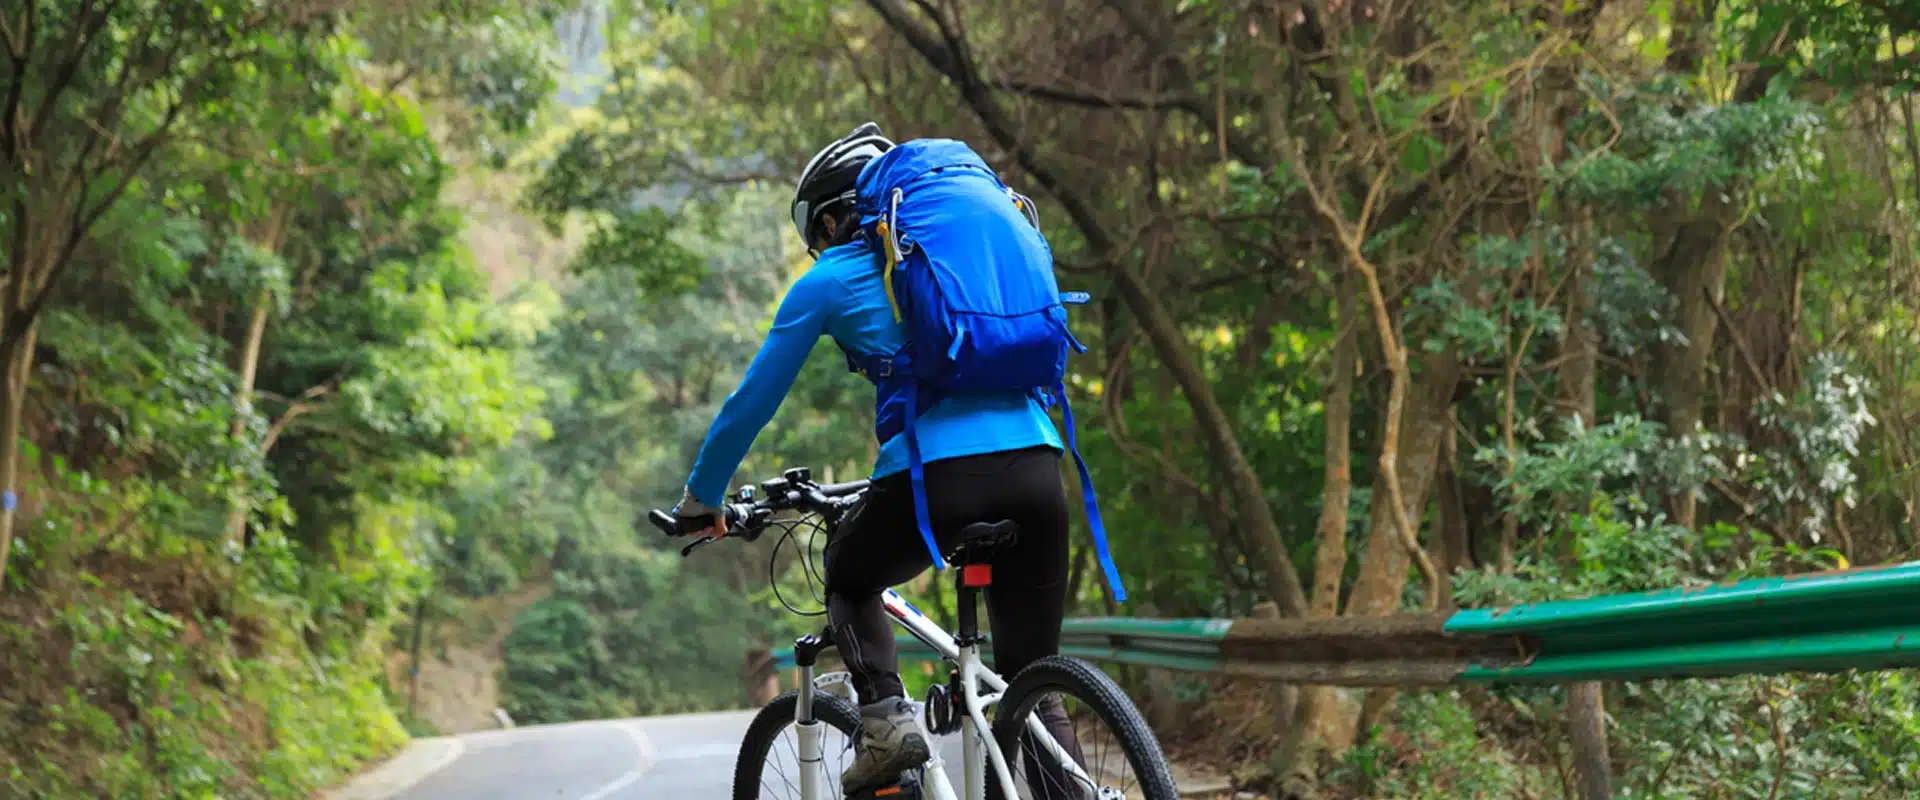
<point x="1155" y="36"/>
<point x="106" y="120"/>
<point x="293" y="411"/>
<point x="21" y="56"/>
<point x="1351" y="238"/>
<point x="1096" y="99"/>
<point x="84" y="220"/>
<point x="84" y="34"/>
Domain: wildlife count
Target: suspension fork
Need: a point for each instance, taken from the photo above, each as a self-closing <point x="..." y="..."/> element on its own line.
<point x="807" y="728"/>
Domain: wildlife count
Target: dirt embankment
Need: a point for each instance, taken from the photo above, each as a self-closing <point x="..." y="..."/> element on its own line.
<point x="459" y="684"/>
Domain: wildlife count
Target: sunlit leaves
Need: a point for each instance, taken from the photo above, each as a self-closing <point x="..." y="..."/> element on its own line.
<point x="1669" y="148"/>
<point x="488" y="67"/>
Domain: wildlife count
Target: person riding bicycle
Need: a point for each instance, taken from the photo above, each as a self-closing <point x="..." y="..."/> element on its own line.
<point x="989" y="455"/>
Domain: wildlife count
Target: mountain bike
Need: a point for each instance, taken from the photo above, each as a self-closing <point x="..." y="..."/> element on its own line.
<point x="824" y="702"/>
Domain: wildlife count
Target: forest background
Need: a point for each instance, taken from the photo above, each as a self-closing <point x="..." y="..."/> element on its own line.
<point x="343" y="337"/>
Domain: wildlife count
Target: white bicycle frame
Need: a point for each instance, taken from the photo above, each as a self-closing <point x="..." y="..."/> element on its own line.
<point x="816" y="784"/>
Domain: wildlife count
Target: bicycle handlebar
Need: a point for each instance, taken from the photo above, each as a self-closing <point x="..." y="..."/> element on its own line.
<point x="747" y="517"/>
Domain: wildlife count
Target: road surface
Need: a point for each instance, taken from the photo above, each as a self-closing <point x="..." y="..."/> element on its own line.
<point x="669" y="758"/>
<point x="684" y="757"/>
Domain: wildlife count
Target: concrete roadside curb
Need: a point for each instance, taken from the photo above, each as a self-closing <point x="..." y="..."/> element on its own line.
<point x="1206" y="789"/>
<point x="422" y="757"/>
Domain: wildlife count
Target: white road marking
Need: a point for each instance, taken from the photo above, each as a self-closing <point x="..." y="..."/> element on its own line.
<point x="646" y="760"/>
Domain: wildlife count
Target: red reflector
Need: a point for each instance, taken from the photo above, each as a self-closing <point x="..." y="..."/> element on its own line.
<point x="976" y="575"/>
<point x="887" y="792"/>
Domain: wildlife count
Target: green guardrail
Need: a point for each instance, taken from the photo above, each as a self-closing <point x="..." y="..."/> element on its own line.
<point x="1863" y="618"/>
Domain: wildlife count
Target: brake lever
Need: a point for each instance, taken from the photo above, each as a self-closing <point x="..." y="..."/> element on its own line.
<point x="697" y="544"/>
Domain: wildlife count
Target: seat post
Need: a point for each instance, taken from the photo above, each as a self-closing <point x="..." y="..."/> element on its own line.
<point x="972" y="578"/>
<point x="973" y="554"/>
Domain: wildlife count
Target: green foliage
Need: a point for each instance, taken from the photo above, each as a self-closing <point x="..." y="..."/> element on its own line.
<point x="416" y="430"/>
<point x="1702" y="148"/>
<point x="1443" y="754"/>
<point x="140" y="677"/>
<point x="626" y="634"/>
<point x="1844" y="735"/>
<point x="237" y="169"/>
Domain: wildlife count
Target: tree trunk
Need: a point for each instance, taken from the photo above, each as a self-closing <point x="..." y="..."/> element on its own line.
<point x="1330" y="535"/>
<point x="1297" y="764"/>
<point x="243" y="408"/>
<point x="1586" y="701"/>
<point x="1256" y="517"/>
<point x="1284" y="697"/>
<point x="1075" y="574"/>
<point x="1693" y="262"/>
<point x="18" y="356"/>
<point x="413" y="661"/>
<point x="1693" y="270"/>
<point x="763" y="683"/>
<point x="1373" y="712"/>
<point x="1454" y="528"/>
<point x="1383" y="570"/>
<point x="269" y="237"/>
<point x="1384" y="565"/>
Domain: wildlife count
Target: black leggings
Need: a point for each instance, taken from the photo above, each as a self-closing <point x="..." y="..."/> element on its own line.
<point x="876" y="547"/>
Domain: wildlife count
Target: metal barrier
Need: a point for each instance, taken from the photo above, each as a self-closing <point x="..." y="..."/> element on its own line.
<point x="1845" y="619"/>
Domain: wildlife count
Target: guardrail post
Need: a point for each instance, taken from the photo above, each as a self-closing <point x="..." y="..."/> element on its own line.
<point x="1587" y="731"/>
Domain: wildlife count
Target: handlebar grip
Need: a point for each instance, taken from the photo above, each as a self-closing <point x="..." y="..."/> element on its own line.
<point x="843" y="489"/>
<point x="670" y="524"/>
<point x="664" y="521"/>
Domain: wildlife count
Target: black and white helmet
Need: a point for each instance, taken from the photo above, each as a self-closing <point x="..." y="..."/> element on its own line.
<point x="828" y="179"/>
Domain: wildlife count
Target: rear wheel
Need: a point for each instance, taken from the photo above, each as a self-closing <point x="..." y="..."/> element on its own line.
<point x="1089" y="714"/>
<point x="769" y="764"/>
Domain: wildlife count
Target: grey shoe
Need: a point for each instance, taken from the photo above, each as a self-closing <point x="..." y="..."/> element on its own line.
<point x="890" y="743"/>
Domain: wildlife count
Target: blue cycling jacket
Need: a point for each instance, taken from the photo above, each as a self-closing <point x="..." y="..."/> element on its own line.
<point x="843" y="296"/>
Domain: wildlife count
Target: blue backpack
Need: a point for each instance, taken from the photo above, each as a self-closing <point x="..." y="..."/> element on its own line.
<point x="970" y="279"/>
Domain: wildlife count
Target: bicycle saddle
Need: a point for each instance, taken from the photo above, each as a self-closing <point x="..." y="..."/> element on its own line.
<point x="977" y="543"/>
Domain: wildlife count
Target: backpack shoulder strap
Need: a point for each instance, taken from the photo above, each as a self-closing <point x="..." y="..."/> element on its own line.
<point x="1095" y="525"/>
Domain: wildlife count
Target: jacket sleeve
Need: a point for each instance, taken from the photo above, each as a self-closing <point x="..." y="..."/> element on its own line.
<point x="797" y="326"/>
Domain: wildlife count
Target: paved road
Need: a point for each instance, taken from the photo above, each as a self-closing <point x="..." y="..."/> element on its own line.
<point x="669" y="758"/>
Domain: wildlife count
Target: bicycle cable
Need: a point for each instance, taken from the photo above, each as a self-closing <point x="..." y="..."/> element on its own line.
<point x="810" y="574"/>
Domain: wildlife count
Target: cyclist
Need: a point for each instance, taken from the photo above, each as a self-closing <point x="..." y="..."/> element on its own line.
<point x="990" y="455"/>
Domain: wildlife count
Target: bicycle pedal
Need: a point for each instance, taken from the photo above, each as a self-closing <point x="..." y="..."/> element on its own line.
<point x="907" y="788"/>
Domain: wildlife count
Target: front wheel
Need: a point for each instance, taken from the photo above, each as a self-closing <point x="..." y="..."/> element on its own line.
<point x="769" y="762"/>
<point x="1069" y="696"/>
